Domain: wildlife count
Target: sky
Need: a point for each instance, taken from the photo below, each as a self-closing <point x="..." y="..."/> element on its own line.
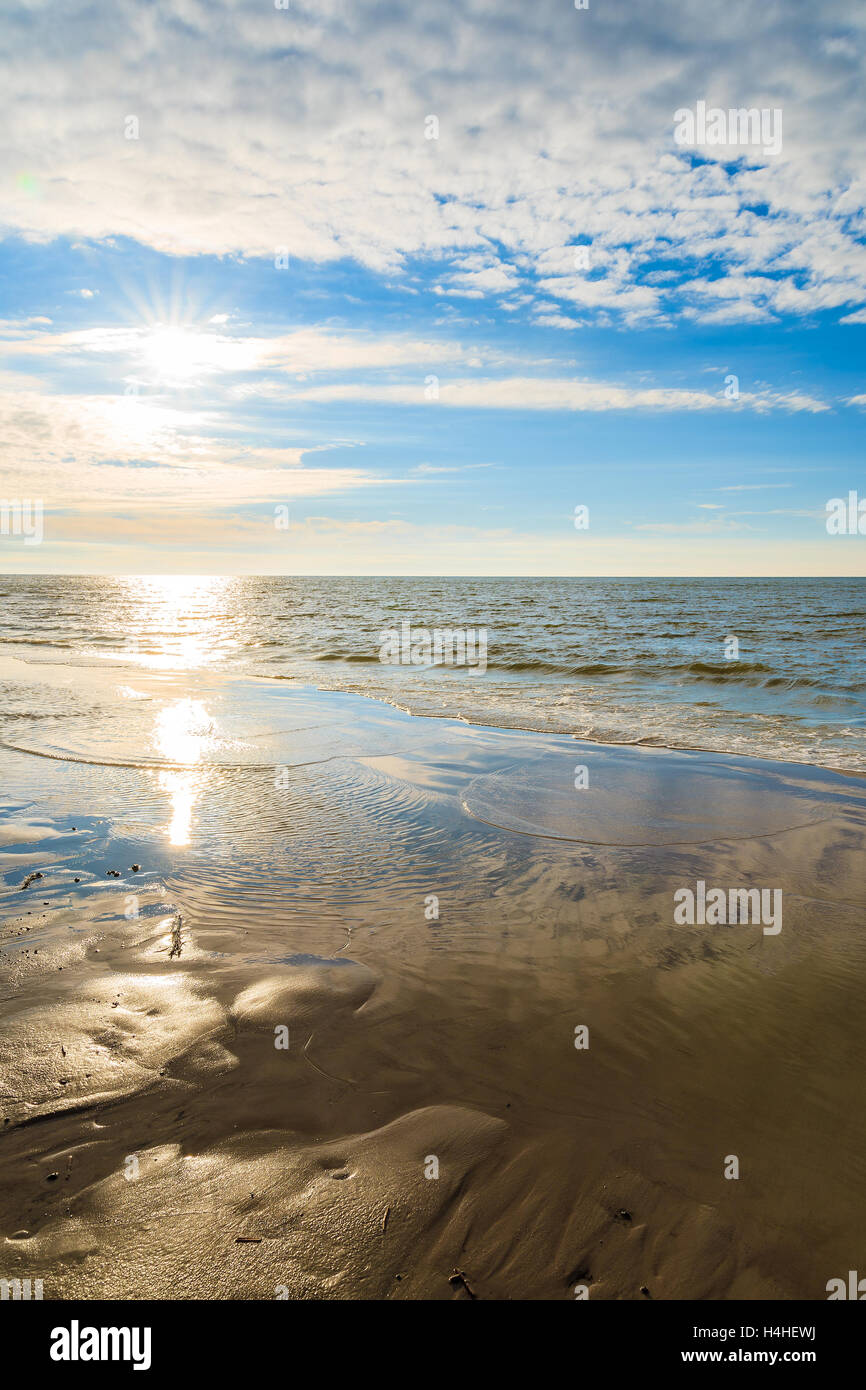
<point x="369" y="288"/>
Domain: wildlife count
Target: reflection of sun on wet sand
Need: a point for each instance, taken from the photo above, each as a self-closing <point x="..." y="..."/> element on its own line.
<point x="324" y="1044"/>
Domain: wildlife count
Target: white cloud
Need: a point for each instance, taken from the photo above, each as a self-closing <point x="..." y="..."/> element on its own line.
<point x="98" y="452"/>
<point x="752" y="487"/>
<point x="297" y="353"/>
<point x="305" y="128"/>
<point x="556" y="393"/>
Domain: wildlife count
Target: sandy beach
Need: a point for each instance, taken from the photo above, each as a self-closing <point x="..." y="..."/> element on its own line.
<point x="409" y="1015"/>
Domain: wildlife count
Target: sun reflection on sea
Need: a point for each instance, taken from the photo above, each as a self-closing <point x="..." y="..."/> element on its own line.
<point x="183" y="732"/>
<point x="177" y="622"/>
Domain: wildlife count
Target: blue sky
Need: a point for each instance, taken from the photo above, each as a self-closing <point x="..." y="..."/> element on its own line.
<point x="244" y="269"/>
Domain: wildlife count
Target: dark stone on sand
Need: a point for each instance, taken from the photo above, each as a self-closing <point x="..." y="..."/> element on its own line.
<point x="52" y="1177"/>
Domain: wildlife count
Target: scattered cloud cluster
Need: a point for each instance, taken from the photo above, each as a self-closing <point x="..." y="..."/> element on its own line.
<point x="235" y="128"/>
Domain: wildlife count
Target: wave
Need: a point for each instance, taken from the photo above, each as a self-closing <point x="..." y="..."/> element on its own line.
<point x="755" y="673"/>
<point x="356" y="658"/>
<point x="25" y="641"/>
<point x="641" y="669"/>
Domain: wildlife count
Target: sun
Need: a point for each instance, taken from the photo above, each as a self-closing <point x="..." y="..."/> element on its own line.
<point x="177" y="354"/>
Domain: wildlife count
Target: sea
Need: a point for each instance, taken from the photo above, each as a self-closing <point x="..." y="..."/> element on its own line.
<point x="766" y="667"/>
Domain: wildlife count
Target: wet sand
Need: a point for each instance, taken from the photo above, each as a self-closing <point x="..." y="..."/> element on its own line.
<point x="425" y="912"/>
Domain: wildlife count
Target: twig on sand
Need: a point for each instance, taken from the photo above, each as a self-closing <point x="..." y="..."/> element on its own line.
<point x="385" y="1219"/>
<point x="459" y="1278"/>
<point x="248" y="1240"/>
<point x="176" y="937"/>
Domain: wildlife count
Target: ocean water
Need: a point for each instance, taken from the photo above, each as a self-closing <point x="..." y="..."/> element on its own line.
<point x="627" y="661"/>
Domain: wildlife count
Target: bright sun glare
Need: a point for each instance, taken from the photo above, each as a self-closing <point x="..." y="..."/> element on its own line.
<point x="183" y="731"/>
<point x="178" y="353"/>
<point x="177" y="622"/>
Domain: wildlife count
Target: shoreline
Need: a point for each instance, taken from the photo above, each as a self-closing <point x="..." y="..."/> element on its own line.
<point x="298" y="683"/>
<point x="598" y="742"/>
